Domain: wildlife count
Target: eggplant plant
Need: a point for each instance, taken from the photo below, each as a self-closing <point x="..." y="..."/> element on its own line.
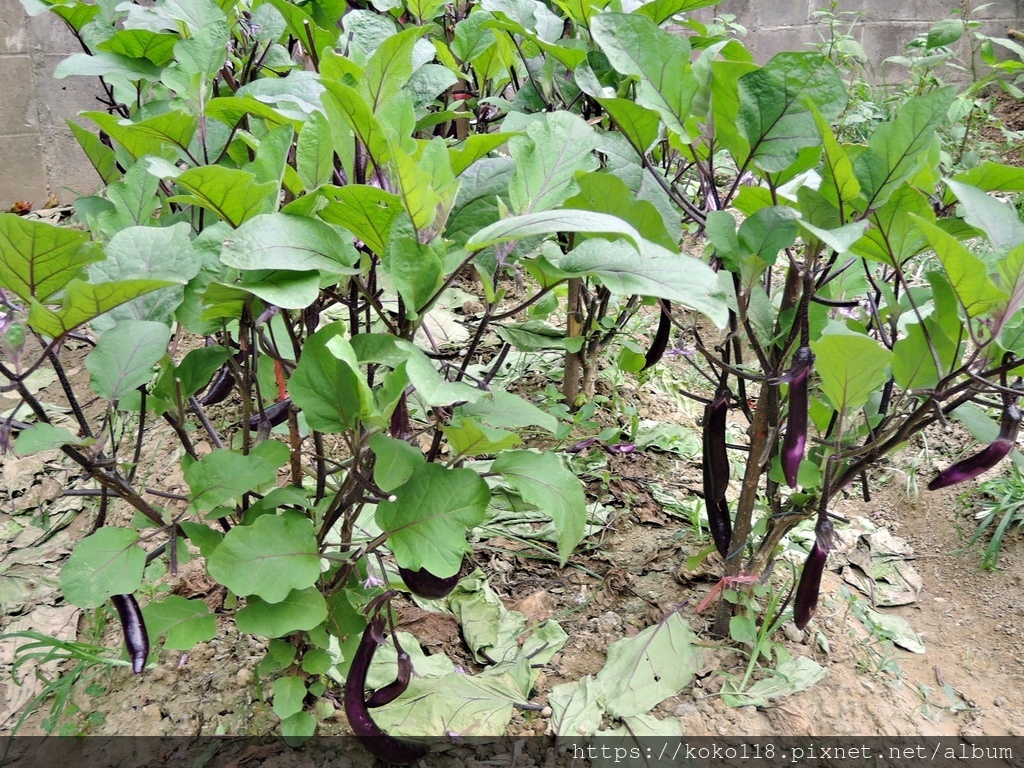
<point x="292" y="196"/>
<point x="295" y="196"/>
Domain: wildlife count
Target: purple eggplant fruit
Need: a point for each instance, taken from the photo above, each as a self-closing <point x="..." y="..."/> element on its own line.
<point x="396" y="687"/>
<point x="660" y="342"/>
<point x="380" y="744"/>
<point x="136" y="640"/>
<point x="806" y="601"/>
<point x="273" y="415"/>
<point x="219" y="387"/>
<point x="423" y="583"/>
<point x="715" y="465"/>
<point x="795" y="441"/>
<point x="985" y="459"/>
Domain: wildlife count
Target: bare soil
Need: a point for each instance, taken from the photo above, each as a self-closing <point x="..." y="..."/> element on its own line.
<point x="969" y="680"/>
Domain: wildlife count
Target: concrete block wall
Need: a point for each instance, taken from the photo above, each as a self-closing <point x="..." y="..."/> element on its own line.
<point x="40" y="158"/>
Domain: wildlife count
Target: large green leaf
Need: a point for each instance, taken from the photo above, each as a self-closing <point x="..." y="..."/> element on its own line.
<point x="390" y="67"/>
<point x="269" y="559"/>
<point x="39" y="259"/>
<point x="549" y="223"/>
<point x="548" y="158"/>
<point x="233" y="195"/>
<point x="607" y="193"/>
<point x="644" y="670"/>
<point x="297" y="243"/>
<point x="542" y="480"/>
<point x="124" y="357"/>
<point x="654" y="271"/>
<point x="314" y="153"/>
<point x="776" y="106"/>
<point x="185" y="622"/>
<point x="895" y="148"/>
<point x="327" y="383"/>
<point x="84" y="301"/>
<point x="428" y="521"/>
<point x="108" y="562"/>
<point x="367" y="212"/>
<point x="977" y="292"/>
<point x="851" y="367"/>
<point x="1000" y="221"/>
<point x="300" y="611"/>
<point x="223" y="476"/>
<point x="894" y="236"/>
<point x="660" y="60"/>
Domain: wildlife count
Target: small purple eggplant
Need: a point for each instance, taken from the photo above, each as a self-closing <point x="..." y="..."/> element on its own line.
<point x="380" y="744"/>
<point x="806" y="600"/>
<point x="396" y="687"/>
<point x="795" y="441"/>
<point x="425" y="584"/>
<point x="660" y="342"/>
<point x="136" y="639"/>
<point x="985" y="459"/>
<point x="715" y="465"/>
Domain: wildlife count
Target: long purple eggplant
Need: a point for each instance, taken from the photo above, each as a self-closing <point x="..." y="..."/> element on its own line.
<point x="136" y="639"/>
<point x="274" y="414"/>
<point x="795" y="441"/>
<point x="660" y="342"/>
<point x="715" y="465"/>
<point x="380" y="744"/>
<point x="988" y="457"/>
<point x="806" y="601"/>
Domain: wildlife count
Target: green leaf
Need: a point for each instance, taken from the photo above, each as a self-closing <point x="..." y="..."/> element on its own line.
<point x="427" y="524"/>
<point x="223" y="476"/>
<point x="475" y="147"/>
<point x="913" y="366"/>
<point x="289" y="691"/>
<point x="991" y="177"/>
<point x="416" y="269"/>
<point x="467" y="437"/>
<point x="396" y="461"/>
<point x="976" y="291"/>
<point x="297" y="243"/>
<point x="470" y="705"/>
<point x="102" y="157"/>
<point x="658" y="59"/>
<point x="1000" y="221"/>
<point x="108" y="562"/>
<point x="193" y="373"/>
<point x="660" y="11"/>
<point x="367" y="212"/>
<point x="232" y="194"/>
<point x="637" y="123"/>
<point x="314" y="153"/>
<point x="542" y="480"/>
<point x="839" y="183"/>
<point x="288" y="290"/>
<point x="767" y="232"/>
<point x="390" y="67"/>
<point x="43" y="437"/>
<point x="357" y="113"/>
<point x="109" y="65"/>
<point x="656" y="272"/>
<point x="548" y="223"/>
<point x="944" y="33"/>
<point x="776" y="103"/>
<point x="644" y="670"/>
<point x="896" y="147"/>
<point x="787" y="678"/>
<point x="509" y="411"/>
<point x="537" y="335"/>
<point x="300" y="611"/>
<point x="894" y="235"/>
<point x="547" y="159"/>
<point x="84" y="301"/>
<point x="851" y="368"/>
<point x="158" y="47"/>
<point x="185" y="622"/>
<point x="124" y="357"/>
<point x="39" y="259"/>
<point x="269" y="559"/>
<point x="606" y="193"/>
<point x="578" y="707"/>
<point x="327" y="383"/>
